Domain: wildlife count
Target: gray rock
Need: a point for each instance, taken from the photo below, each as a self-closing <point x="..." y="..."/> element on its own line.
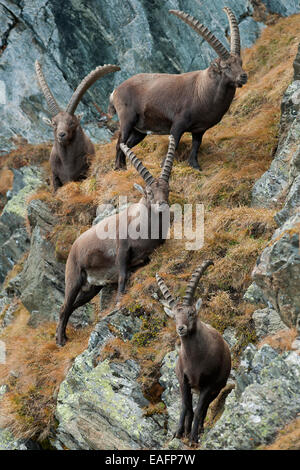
<point x="277" y="271"/>
<point x="292" y="202"/>
<point x="270" y="187"/>
<point x="14" y="239"/>
<point x="71" y="38"/>
<point x="230" y="336"/>
<point x="283" y="7"/>
<point x="265" y="400"/>
<point x="267" y="322"/>
<point x="171" y="395"/>
<point x="254" y="295"/>
<point x="41" y="284"/>
<point x="250" y="30"/>
<point x="101" y="405"/>
<point x="297" y="65"/>
<point x="295" y="346"/>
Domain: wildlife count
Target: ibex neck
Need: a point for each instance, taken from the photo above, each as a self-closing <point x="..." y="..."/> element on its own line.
<point x="216" y="93"/>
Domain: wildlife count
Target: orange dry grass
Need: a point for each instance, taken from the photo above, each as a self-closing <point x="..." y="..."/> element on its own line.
<point x="281" y="340"/>
<point x="287" y="439"/>
<point x="34" y="369"/>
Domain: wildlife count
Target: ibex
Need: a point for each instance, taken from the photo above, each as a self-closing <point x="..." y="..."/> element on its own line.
<point x="173" y="104"/>
<point x="204" y="360"/>
<point x="95" y="261"/>
<point x="69" y="155"/>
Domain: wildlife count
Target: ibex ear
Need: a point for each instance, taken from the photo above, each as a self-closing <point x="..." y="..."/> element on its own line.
<point x="198" y="304"/>
<point x="169" y="312"/>
<point x="139" y="188"/>
<point x="47" y="121"/>
<point x="79" y="116"/>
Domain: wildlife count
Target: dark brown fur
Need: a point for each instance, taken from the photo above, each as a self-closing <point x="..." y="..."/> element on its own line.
<point x="70" y="151"/>
<point x="203" y="365"/>
<point x="174" y="104"/>
<point x="204" y="361"/>
<point x="94" y="262"/>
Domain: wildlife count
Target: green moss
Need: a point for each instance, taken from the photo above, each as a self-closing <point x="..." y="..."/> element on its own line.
<point x="151" y="326"/>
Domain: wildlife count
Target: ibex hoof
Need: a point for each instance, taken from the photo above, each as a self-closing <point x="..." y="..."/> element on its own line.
<point x="178" y="434"/>
<point x="119" y="167"/>
<point x="61" y="341"/>
<point x="195" y="165"/>
<point x="193" y="441"/>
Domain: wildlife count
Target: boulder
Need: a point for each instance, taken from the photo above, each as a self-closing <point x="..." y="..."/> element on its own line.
<point x="14" y="239"/>
<point x="267" y="322"/>
<point x="100" y="403"/>
<point x="265" y="399"/>
<point x="277" y="271"/>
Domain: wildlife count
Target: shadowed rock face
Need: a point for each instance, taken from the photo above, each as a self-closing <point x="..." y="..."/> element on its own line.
<point x="71" y="38"/>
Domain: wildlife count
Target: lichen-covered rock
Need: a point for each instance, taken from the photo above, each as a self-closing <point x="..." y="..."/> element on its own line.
<point x="267" y="322"/>
<point x="268" y="190"/>
<point x="265" y="400"/>
<point x="254" y="295"/>
<point x="14" y="239"/>
<point x="100" y="404"/>
<point x="41" y="283"/>
<point x="171" y="393"/>
<point x="277" y="271"/>
<point x="292" y="202"/>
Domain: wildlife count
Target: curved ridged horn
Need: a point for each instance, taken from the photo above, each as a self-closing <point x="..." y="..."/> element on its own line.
<point x="165" y="291"/>
<point x="235" y="42"/>
<point x="145" y="174"/>
<point x="167" y="168"/>
<point x="204" y="32"/>
<point x="52" y="104"/>
<point x="87" y="82"/>
<point x="190" y="290"/>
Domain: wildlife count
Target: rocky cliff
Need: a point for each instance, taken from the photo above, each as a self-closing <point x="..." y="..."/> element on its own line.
<point x="113" y="386"/>
<point x="73" y="37"/>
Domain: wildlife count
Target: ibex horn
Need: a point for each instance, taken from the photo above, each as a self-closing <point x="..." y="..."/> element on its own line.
<point x="235" y="42"/>
<point x="146" y="175"/>
<point x="190" y="290"/>
<point x="86" y="83"/>
<point x="51" y="102"/>
<point x="204" y="32"/>
<point x="165" y="291"/>
<point x="167" y="168"/>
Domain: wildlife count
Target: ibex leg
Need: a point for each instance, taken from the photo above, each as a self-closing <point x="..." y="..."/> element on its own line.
<point x="186" y="415"/>
<point x="200" y="412"/>
<point x="125" y="132"/>
<point x="193" y="160"/>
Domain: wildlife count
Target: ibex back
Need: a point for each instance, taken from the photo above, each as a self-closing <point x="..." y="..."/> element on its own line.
<point x="95" y="261"/>
<point x="174" y="104"/>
